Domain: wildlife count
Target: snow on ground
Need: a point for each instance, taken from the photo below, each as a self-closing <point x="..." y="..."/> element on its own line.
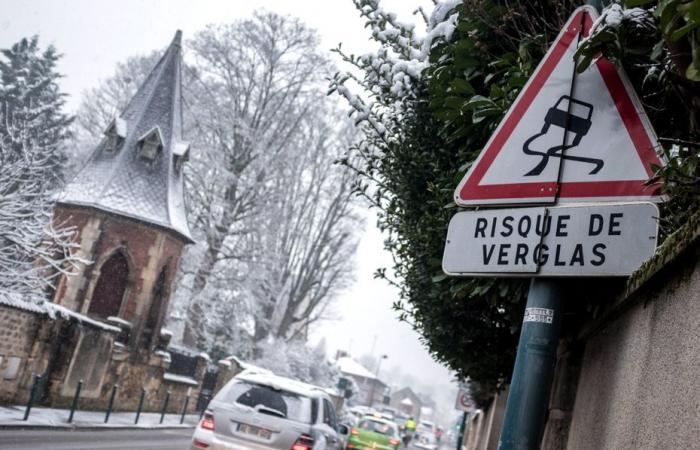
<point x="11" y="416"/>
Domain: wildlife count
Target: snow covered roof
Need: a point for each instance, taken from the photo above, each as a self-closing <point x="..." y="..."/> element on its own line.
<point x="175" y="378"/>
<point x="120" y="182"/>
<point x="181" y="148"/>
<point x="349" y="366"/>
<point x="119" y="126"/>
<point x="407" y="401"/>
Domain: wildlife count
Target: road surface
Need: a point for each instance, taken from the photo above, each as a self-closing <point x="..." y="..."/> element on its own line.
<point x="177" y="439"/>
<point x="99" y="440"/>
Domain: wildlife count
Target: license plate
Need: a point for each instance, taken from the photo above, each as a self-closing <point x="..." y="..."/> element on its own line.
<point x="255" y="431"/>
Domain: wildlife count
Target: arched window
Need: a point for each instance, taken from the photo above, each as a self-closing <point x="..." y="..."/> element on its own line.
<point x="109" y="292"/>
<point x="154" y="310"/>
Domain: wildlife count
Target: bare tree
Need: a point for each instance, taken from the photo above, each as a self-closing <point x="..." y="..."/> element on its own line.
<point x="306" y="253"/>
<point x="258" y="79"/>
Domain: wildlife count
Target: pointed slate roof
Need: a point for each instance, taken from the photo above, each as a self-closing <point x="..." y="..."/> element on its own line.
<point x="122" y="182"/>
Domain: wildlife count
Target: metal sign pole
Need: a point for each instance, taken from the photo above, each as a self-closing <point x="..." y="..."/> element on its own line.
<point x="534" y="367"/>
<point x="528" y="397"/>
<point x="462" y="429"/>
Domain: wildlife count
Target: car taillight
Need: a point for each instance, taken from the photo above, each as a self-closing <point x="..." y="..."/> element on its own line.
<point x="355" y="431"/>
<point x="207" y="422"/>
<point x="305" y="442"/>
<point x="199" y="444"/>
<point x="394" y="442"/>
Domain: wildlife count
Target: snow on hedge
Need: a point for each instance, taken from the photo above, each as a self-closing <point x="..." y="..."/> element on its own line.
<point x="392" y="73"/>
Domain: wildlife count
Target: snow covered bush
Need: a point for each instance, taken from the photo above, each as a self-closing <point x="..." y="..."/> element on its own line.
<point x="427" y="102"/>
<point x="658" y="43"/>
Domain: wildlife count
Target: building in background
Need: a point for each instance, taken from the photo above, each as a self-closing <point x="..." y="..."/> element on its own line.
<point x="407" y="402"/>
<point x="372" y="390"/>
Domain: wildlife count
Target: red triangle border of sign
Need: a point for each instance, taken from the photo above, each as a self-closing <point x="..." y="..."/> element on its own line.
<point x="471" y="190"/>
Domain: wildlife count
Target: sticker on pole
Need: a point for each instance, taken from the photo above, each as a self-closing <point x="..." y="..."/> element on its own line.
<point x="575" y="136"/>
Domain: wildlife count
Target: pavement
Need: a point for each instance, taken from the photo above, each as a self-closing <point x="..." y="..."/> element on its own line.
<point x="105" y="439"/>
<point x="11" y="417"/>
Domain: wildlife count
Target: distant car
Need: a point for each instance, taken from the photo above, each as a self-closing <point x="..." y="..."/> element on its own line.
<point x="374" y="433"/>
<point x="424" y="427"/>
<point x="426" y="440"/>
<point x="262" y="411"/>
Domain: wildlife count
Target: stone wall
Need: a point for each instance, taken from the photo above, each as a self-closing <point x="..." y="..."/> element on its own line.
<point x="17" y="334"/>
<point x="627" y="376"/>
<point x="638" y="384"/>
<point x="483" y="427"/>
<point x="65" y="352"/>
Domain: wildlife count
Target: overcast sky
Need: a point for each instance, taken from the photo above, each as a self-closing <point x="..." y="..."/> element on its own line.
<point x="95" y="35"/>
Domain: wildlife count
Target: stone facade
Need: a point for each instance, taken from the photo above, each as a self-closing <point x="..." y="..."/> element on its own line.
<point x="64" y="352"/>
<point x="149" y="251"/>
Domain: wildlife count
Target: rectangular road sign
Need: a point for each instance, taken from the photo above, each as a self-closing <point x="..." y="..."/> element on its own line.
<point x="560" y="241"/>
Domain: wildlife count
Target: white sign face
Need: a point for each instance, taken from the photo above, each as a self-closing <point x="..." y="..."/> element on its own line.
<point x="560" y="241"/>
<point x="464" y="402"/>
<point x="590" y="143"/>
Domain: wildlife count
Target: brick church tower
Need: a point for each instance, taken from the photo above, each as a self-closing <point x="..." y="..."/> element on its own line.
<point x="128" y="207"/>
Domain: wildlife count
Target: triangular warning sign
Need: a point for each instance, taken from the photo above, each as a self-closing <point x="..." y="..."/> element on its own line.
<point x="568" y="137"/>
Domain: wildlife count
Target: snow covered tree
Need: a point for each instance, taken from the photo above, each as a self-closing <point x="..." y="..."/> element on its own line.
<point x="31" y="101"/>
<point x="271" y="213"/>
<point x="33" y="251"/>
<point x="33" y="127"/>
<point x="258" y="79"/>
<point x="306" y="253"/>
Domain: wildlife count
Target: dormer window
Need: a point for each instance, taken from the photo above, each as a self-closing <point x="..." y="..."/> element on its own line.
<point x="115" y="134"/>
<point x="181" y="153"/>
<point x="150" y="145"/>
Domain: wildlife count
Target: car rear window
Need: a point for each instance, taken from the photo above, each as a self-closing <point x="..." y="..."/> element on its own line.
<point x="425" y="427"/>
<point x="378" y="427"/>
<point x="270" y="400"/>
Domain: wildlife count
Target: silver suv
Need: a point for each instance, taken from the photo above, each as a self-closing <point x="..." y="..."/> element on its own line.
<point x="256" y="411"/>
